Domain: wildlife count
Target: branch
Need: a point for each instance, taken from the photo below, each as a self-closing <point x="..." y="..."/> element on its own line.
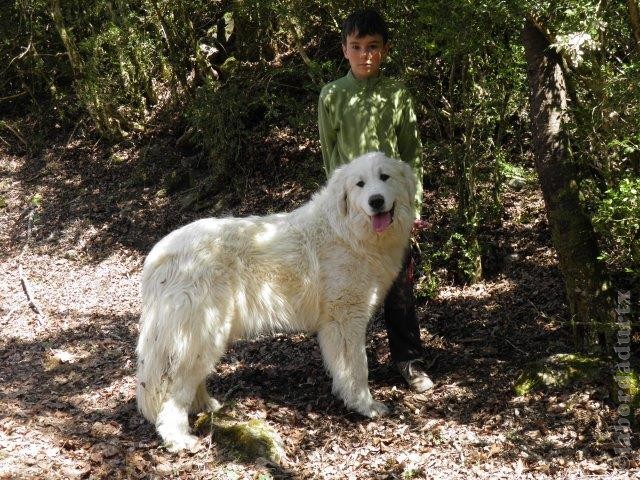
<point x="67" y="40"/>
<point x="568" y="63"/>
<point x="23" y="279"/>
<point x="18" y="57"/>
<point x="551" y="38"/>
<point x="300" y="49"/>
<point x="27" y="291"/>
<point x="12" y="96"/>
<point x="15" y="132"/>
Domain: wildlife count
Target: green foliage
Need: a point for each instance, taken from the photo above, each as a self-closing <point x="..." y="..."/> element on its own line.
<point x="116" y="86"/>
<point x="473" y="81"/>
<point x="226" y="115"/>
<point x="238" y="71"/>
<point x="427" y="284"/>
<point x="220" y="129"/>
<point x="516" y="174"/>
<point x="463" y="250"/>
<point x="36" y="200"/>
<point x="617" y="220"/>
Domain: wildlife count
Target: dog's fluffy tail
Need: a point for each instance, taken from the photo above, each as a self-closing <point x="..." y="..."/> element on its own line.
<point x="150" y="388"/>
<point x="157" y="355"/>
<point x="180" y="338"/>
<point x="152" y="355"/>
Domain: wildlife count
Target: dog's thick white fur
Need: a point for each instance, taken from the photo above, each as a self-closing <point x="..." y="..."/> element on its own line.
<point x="322" y="268"/>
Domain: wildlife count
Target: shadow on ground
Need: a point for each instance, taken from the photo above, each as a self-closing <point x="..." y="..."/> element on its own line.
<point x="476" y="343"/>
<point x="95" y="199"/>
<point x="477" y="349"/>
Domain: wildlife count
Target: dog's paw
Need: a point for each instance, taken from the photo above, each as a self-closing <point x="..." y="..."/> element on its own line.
<point x="212" y="405"/>
<point x="182" y="442"/>
<point x="207" y="404"/>
<point x="374" y="409"/>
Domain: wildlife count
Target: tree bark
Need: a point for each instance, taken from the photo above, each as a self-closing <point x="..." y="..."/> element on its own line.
<point x="571" y="229"/>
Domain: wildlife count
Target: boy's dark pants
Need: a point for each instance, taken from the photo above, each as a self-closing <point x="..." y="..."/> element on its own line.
<point x="400" y="318"/>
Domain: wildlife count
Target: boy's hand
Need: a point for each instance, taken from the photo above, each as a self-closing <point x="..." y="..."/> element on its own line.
<point x="419" y="225"/>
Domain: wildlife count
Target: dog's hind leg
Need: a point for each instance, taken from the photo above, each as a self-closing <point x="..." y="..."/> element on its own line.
<point x="195" y="351"/>
<point x="173" y="421"/>
<point x="213" y="349"/>
<point x="344" y="354"/>
<point x="187" y="393"/>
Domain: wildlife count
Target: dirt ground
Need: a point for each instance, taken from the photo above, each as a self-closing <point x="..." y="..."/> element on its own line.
<point x="75" y="224"/>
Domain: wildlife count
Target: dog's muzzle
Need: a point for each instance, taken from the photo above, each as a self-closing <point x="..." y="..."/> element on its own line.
<point x="376" y="202"/>
<point x="381" y="220"/>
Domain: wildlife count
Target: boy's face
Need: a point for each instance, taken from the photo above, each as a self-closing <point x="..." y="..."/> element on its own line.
<point x="365" y="54"/>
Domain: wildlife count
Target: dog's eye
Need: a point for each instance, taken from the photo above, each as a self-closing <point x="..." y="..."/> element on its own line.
<point x="360" y="184"/>
<point x="384" y="177"/>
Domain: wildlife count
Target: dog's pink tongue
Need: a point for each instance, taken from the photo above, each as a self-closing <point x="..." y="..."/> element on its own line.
<point x="381" y="221"/>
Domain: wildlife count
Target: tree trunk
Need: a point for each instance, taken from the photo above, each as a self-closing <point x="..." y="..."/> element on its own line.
<point x="572" y="233"/>
<point x="74" y="56"/>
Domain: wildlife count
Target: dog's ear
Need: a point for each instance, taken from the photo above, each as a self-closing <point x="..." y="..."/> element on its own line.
<point x="338" y="189"/>
<point x="343" y="201"/>
<point x="410" y="177"/>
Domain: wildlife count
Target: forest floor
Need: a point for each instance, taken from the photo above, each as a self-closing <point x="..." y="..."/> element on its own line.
<point x="75" y="224"/>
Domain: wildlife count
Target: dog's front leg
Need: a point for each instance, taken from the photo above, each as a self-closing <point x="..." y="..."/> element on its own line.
<point x="343" y="350"/>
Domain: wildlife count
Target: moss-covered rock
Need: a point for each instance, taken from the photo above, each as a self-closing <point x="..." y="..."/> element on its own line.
<point x="250" y="439"/>
<point x="558" y="370"/>
<point x="625" y="392"/>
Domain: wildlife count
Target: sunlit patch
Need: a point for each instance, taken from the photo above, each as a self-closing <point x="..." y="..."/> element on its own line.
<point x="483" y="290"/>
<point x="373" y="299"/>
<point x="265" y="293"/>
<point x="267" y="233"/>
<point x="120" y="391"/>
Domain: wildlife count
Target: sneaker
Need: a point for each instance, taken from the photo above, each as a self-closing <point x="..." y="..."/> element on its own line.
<point x="414" y="374"/>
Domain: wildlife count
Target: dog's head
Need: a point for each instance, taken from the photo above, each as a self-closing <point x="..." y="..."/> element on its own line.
<point x="374" y="195"/>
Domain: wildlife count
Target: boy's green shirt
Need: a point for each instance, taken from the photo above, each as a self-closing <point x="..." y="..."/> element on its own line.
<point x="360" y="116"/>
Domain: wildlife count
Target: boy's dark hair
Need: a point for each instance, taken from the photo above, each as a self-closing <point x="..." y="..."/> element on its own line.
<point x="365" y="22"/>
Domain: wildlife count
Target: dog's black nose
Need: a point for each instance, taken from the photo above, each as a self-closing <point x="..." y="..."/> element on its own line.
<point x="376" y="201"/>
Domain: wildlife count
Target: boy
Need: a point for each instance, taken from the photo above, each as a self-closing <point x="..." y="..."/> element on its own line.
<point x="364" y="112"/>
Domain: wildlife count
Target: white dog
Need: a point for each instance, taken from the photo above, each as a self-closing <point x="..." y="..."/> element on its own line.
<point x="322" y="268"/>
